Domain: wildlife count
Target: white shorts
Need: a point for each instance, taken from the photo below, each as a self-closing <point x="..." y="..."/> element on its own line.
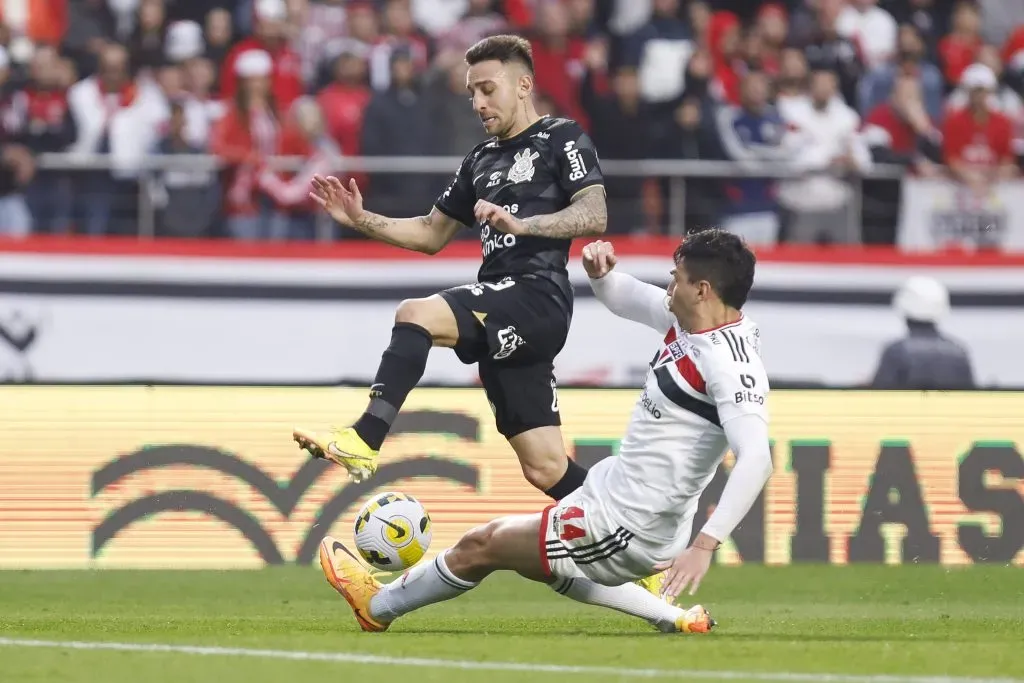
<point x="578" y="538"/>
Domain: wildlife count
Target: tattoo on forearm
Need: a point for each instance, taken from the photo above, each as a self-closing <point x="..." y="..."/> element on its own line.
<point x="372" y="223"/>
<point x="585" y="216"/>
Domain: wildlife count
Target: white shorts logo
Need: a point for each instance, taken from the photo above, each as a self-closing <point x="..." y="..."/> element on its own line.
<point x="509" y="341"/>
<point x="554" y="397"/>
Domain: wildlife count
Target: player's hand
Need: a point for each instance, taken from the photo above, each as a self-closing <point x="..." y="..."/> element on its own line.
<point x="686" y="570"/>
<point x="599" y="259"/>
<point x="344" y="204"/>
<point x="498" y="218"/>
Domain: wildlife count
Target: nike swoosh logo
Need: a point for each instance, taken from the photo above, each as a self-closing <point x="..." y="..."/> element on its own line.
<point x="399" y="531"/>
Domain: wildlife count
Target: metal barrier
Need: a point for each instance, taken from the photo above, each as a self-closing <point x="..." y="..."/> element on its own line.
<point x="678" y="172"/>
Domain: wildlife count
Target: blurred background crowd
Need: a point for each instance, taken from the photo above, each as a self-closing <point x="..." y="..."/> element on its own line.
<point x="826" y="90"/>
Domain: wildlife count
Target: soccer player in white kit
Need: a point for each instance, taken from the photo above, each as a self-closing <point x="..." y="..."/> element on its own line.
<point x="632" y="518"/>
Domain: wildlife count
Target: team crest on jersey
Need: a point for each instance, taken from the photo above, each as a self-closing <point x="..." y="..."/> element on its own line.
<point x="673" y="351"/>
<point x="522" y="170"/>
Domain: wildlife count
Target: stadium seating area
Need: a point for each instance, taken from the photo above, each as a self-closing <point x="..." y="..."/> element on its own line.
<point x="831" y="90"/>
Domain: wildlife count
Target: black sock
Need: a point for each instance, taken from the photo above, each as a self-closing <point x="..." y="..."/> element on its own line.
<point x="401" y="367"/>
<point x="570" y="481"/>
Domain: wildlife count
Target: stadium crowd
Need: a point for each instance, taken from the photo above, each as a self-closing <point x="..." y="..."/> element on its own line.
<point x="828" y="88"/>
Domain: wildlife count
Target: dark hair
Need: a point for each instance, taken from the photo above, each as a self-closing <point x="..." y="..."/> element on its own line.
<point x="503" y="48"/>
<point x="721" y="258"/>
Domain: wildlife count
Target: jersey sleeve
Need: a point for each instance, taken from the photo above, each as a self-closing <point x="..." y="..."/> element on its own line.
<point x="459" y="198"/>
<point x="575" y="158"/>
<point x="730" y="362"/>
<point x="632" y="299"/>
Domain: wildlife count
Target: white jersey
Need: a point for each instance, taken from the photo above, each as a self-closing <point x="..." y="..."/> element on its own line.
<point x="675" y="442"/>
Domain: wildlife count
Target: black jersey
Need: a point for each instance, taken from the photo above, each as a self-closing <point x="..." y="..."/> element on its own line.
<point x="536" y="172"/>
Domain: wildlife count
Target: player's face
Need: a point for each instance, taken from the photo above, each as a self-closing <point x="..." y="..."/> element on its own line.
<point x="685" y="296"/>
<point x="497" y="92"/>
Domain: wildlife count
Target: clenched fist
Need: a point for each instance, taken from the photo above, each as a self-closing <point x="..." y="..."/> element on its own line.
<point x="599" y="259"/>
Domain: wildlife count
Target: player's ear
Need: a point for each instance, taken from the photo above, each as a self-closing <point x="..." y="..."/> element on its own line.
<point x="525" y="86"/>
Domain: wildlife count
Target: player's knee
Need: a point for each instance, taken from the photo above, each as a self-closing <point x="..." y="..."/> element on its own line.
<point x="475" y="551"/>
<point x="433" y="315"/>
<point x="544" y="473"/>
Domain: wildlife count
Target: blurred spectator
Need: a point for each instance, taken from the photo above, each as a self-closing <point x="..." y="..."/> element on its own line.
<point x="791" y="85"/>
<point x="187" y="200"/>
<point x="612" y="113"/>
<point x="558" y="60"/>
<point x="772" y="28"/>
<point x="660" y="50"/>
<point x="1003" y="100"/>
<point x="752" y="133"/>
<point x="457" y="126"/>
<point x="977" y="140"/>
<point x="304" y="135"/>
<point x="38" y="117"/>
<point x="17" y="169"/>
<point x="827" y="50"/>
<point x="117" y="114"/>
<point x="899" y="131"/>
<point x="243" y="139"/>
<point x="270" y="37"/>
<point x="871" y="28"/>
<point x="699" y="14"/>
<point x="344" y="101"/>
<point x="959" y="49"/>
<point x="90" y="26"/>
<point x="876" y="86"/>
<point x="724" y="46"/>
<point x="218" y="35"/>
<point x="325" y="22"/>
<point x="184" y="53"/>
<point x="925" y="359"/>
<point x="828" y="146"/>
<point x="146" y="45"/>
<point x="931" y="18"/>
<point x="394" y="125"/>
<point x="400" y="33"/>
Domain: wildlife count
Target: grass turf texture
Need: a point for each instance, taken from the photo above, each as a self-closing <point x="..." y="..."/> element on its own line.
<point x="863" y="620"/>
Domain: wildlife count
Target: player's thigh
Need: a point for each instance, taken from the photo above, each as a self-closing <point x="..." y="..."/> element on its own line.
<point x="507" y="543"/>
<point x="523" y="397"/>
<point x="432" y="313"/>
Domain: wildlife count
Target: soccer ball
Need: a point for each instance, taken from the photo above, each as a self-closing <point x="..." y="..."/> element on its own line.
<point x="392" y="531"/>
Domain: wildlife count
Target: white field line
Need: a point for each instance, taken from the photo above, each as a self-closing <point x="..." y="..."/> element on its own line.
<point x="465" y="665"/>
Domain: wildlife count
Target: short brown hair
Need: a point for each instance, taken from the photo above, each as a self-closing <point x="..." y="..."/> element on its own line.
<point x="503" y="48"/>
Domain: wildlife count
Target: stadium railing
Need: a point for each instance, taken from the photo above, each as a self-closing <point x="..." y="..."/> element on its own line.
<point x="677" y="173"/>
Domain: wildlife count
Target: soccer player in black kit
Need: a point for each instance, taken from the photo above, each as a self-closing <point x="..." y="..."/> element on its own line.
<point x="529" y="190"/>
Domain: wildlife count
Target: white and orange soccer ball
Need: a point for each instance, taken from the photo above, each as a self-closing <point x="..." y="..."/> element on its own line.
<point x="392" y="531"/>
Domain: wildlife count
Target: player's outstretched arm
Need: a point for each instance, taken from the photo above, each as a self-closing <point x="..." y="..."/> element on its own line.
<point x="427" y="234"/>
<point x="623" y="294"/>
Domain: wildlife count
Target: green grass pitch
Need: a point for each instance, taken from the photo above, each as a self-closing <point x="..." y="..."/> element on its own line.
<point x="775" y="623"/>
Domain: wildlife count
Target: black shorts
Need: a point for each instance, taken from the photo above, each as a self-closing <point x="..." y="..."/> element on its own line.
<point x="513" y="329"/>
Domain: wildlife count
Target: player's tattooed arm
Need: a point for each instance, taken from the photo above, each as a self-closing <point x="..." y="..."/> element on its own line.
<point x="587" y="215"/>
<point x="427" y="234"/>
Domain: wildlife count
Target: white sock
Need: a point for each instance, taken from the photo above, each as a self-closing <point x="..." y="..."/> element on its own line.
<point x="424" y="585"/>
<point x="628" y="598"/>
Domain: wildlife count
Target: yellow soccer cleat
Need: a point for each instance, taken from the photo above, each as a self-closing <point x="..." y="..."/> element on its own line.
<point x="343" y="447"/>
<point x="653" y="585"/>
<point x="695" y="620"/>
<point x="350" y="578"/>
